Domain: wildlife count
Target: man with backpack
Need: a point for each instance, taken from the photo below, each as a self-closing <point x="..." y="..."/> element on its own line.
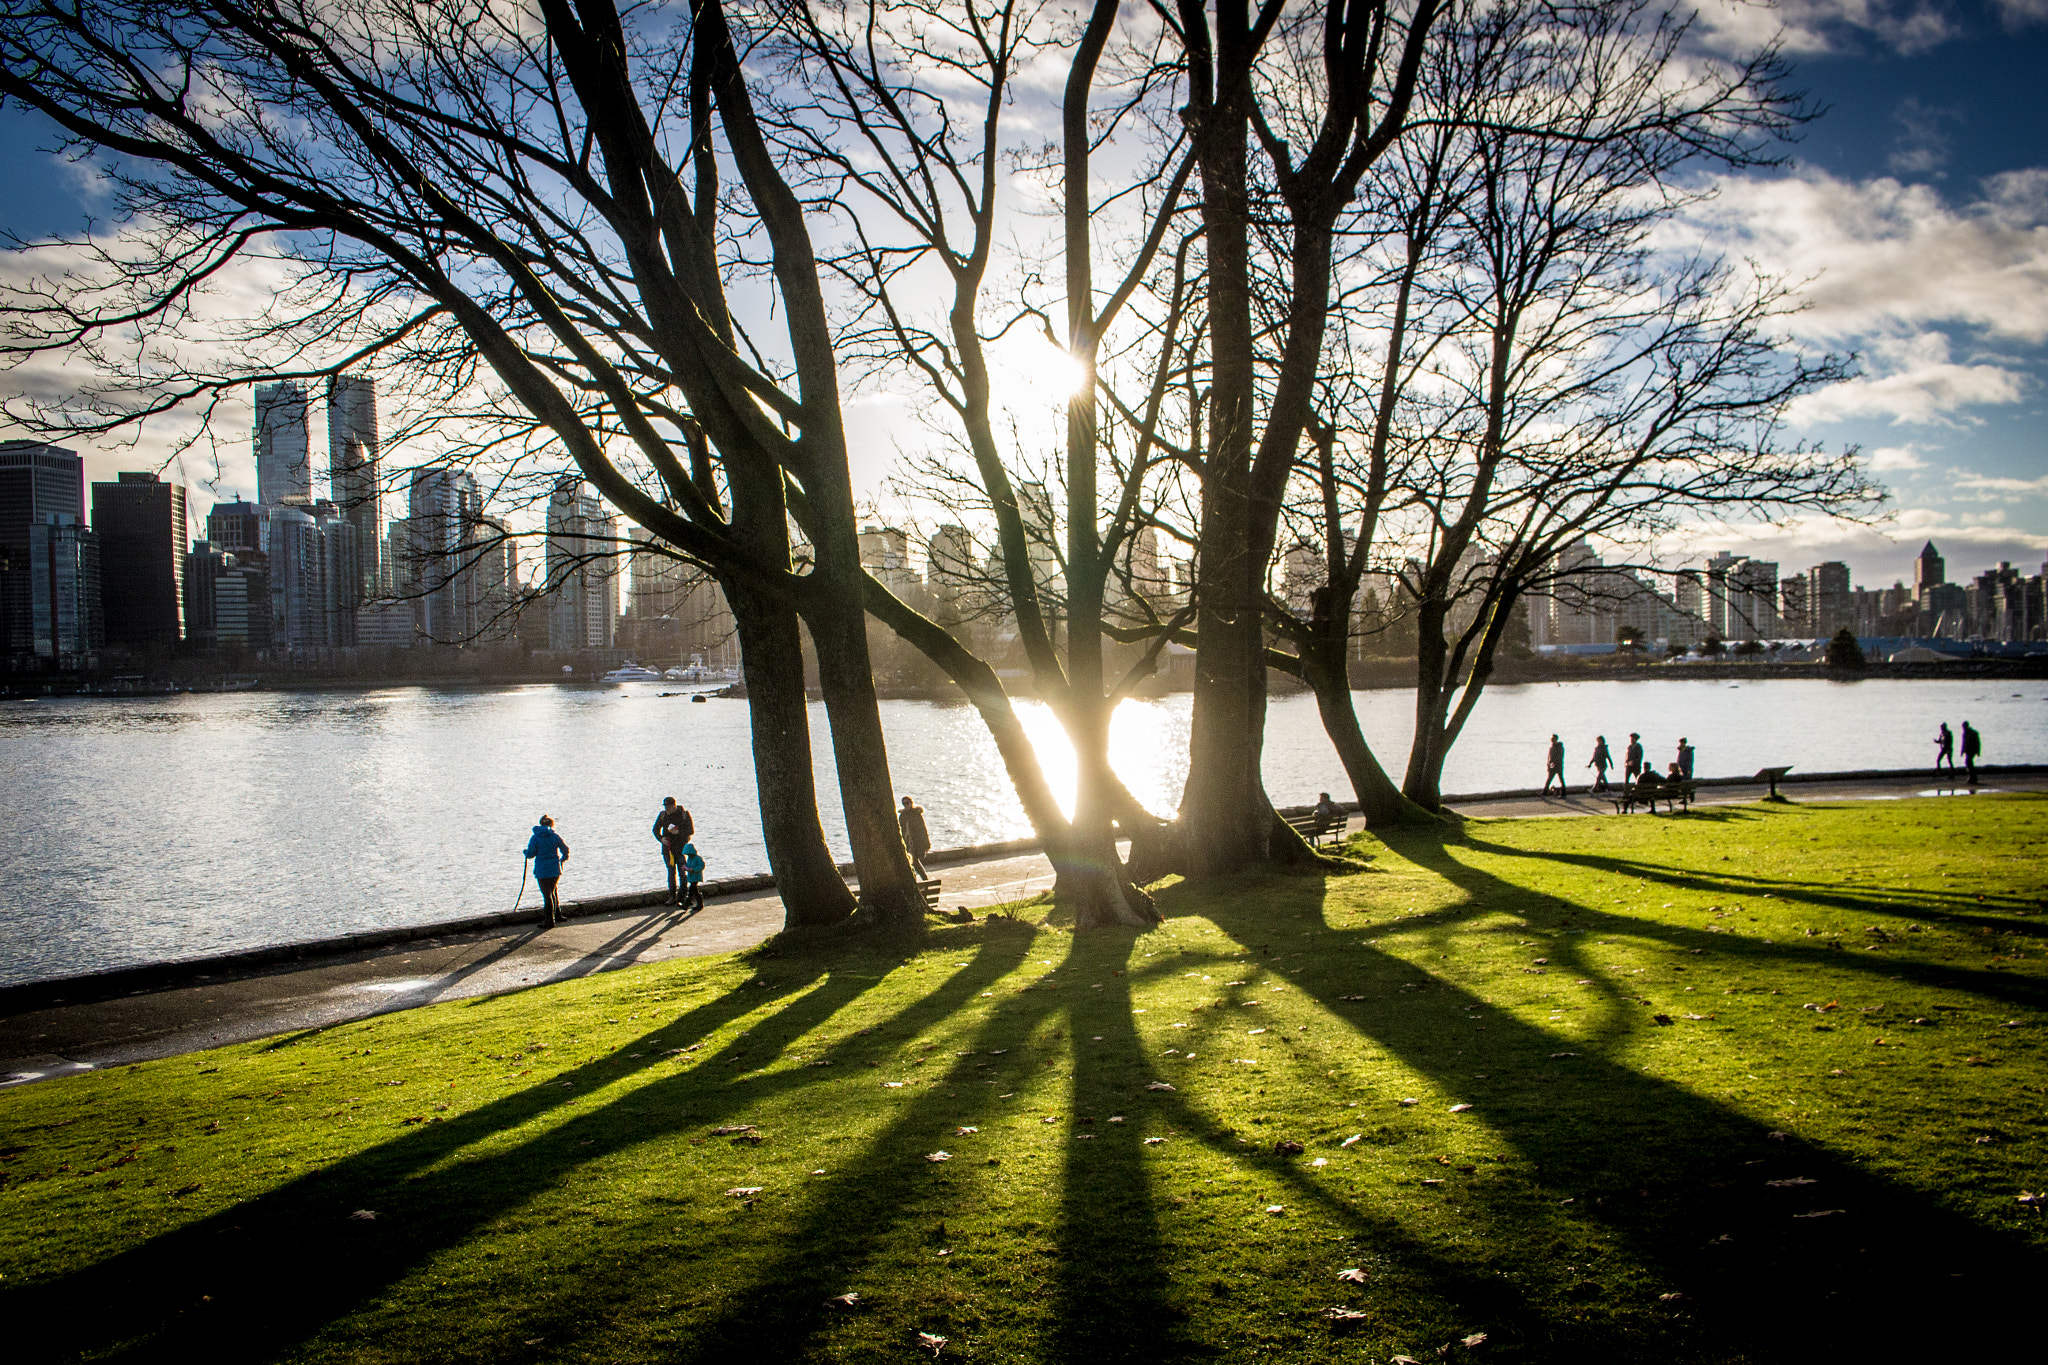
<point x="673" y="829"/>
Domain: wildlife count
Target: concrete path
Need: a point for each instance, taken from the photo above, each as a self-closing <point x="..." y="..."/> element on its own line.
<point x="60" y="1038"/>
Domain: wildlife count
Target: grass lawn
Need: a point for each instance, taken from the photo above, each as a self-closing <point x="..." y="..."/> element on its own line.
<point x="1761" y="1082"/>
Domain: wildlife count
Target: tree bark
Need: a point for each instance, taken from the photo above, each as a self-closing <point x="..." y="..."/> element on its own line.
<point x="1379" y="800"/>
<point x="771" y="661"/>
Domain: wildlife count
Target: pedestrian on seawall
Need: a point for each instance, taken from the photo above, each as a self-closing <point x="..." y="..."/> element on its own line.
<point x="1554" y="768"/>
<point x="917" y="838"/>
<point x="1944" y="748"/>
<point x="1632" y="760"/>
<point x="1973" y="744"/>
<point x="548" y="853"/>
<point x="1683" y="767"/>
<point x="1600" y="762"/>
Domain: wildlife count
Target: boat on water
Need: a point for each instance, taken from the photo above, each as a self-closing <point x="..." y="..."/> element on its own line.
<point x="632" y="672"/>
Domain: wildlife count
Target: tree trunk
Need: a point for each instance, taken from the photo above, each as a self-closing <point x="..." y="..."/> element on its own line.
<point x="888" y="888"/>
<point x="771" y="660"/>
<point x="1423" y="783"/>
<point x="1379" y="800"/>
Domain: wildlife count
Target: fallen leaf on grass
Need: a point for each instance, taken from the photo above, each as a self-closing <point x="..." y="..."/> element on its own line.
<point x="1555" y="1055"/>
<point x="938" y="1156"/>
<point x="363" y="1216"/>
<point x="1660" y="1018"/>
<point x="1158" y="1085"/>
<point x="846" y="1303"/>
<point x="1253" y="1033"/>
<point x="1320" y="1161"/>
<point x="745" y="1191"/>
<point x="1154" y="1142"/>
<point x="892" y="1085"/>
<point x="1791" y="1182"/>
<point x="2032" y="1200"/>
<point x="1351" y="1141"/>
<point x="964" y="1131"/>
<point x="1476" y="1339"/>
<point x="1673" y="1297"/>
<point x="1276" y="1209"/>
<point x="1459" y="1108"/>
<point x="929" y="1342"/>
<point x="1410" y="1102"/>
<point x="1342" y="1317"/>
<point x="1352" y="1276"/>
<point x="731" y="1128"/>
<point x="1351" y="997"/>
<point x="1820" y="1213"/>
<point x="1432" y="1181"/>
<point x="1287" y="1147"/>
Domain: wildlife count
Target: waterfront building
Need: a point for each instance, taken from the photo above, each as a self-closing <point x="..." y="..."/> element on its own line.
<point x="1829" y="605"/>
<point x="444" y="510"/>
<point x="284" y="457"/>
<point x="1794" y="620"/>
<point x="314" y="577"/>
<point x="885" y="553"/>
<point x="581" y="572"/>
<point x="37" y="482"/>
<point x="205" y="563"/>
<point x="354" y="463"/>
<point x="238" y="526"/>
<point x="1929" y="573"/>
<point x="140" y="520"/>
<point x="64" y="585"/>
<point x="241" y="600"/>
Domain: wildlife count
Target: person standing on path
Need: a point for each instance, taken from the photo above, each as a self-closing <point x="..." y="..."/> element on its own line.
<point x="1684" y="765"/>
<point x="1600" y="762"/>
<point x="1944" y="748"/>
<point x="548" y="853"/>
<point x="693" y="878"/>
<point x="674" y="828"/>
<point x="917" y="840"/>
<point x="1554" y="768"/>
<point x="1973" y="744"/>
<point x="1632" y="760"/>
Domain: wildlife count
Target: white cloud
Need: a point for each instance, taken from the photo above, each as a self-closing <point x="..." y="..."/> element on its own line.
<point x="2018" y="14"/>
<point x="1914" y="381"/>
<point x="1905" y="26"/>
<point x="1965" y="482"/>
<point x="1895" y="459"/>
<point x="1883" y="255"/>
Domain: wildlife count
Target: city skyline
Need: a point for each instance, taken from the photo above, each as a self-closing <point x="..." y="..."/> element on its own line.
<point x="1915" y="212"/>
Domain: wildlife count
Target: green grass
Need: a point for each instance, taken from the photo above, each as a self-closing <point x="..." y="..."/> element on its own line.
<point x="1854" y="996"/>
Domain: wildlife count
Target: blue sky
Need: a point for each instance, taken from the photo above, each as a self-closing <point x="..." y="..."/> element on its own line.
<point x="1916" y="209"/>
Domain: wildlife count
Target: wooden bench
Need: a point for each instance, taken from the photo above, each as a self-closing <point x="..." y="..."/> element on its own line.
<point x="1305" y="824"/>
<point x="929" y="888"/>
<point x="1675" y="793"/>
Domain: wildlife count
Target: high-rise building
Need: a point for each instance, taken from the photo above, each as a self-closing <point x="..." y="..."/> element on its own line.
<point x="241" y="600"/>
<point x="885" y="553"/>
<point x="1830" y="607"/>
<point x="37" y="482"/>
<point x="140" y="520"/>
<point x="205" y="564"/>
<point x="314" y="578"/>
<point x="1752" y="612"/>
<point x="443" y="512"/>
<point x="64" y="582"/>
<point x="1929" y="572"/>
<point x="355" y="463"/>
<point x="581" y="573"/>
<point x="238" y="526"/>
<point x="950" y="569"/>
<point x="284" y="455"/>
<point x="1793" y="617"/>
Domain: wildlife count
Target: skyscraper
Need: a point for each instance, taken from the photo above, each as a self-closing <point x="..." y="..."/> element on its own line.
<point x="354" y="464"/>
<point x="314" y="578"/>
<point x="581" y="580"/>
<point x="1929" y="572"/>
<point x="64" y="580"/>
<point x="37" y="482"/>
<point x="1829" y="604"/>
<point x="442" y="513"/>
<point x="284" y="456"/>
<point x="140" y="520"/>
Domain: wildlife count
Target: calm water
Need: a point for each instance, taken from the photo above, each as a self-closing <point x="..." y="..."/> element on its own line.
<point x="158" y="828"/>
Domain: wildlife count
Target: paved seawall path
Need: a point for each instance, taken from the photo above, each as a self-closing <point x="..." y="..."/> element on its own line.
<point x="61" y="1028"/>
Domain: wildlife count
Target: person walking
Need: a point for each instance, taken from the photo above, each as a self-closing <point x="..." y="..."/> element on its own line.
<point x="1632" y="760"/>
<point x="1973" y="744"/>
<point x="1554" y="767"/>
<point x="1600" y="762"/>
<point x="1683" y="767"/>
<point x="1944" y="748"/>
<point x="548" y="853"/>
<point x="917" y="839"/>
<point x="673" y="829"/>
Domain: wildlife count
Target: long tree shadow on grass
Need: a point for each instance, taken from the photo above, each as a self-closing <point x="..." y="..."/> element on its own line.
<point x="256" y="1277"/>
<point x="1839" y="1262"/>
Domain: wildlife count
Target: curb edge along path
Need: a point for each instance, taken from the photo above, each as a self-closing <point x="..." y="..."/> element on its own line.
<point x="54" y="1029"/>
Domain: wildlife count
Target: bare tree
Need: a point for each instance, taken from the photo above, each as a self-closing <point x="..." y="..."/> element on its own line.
<point x="556" y="198"/>
<point x="1555" y="374"/>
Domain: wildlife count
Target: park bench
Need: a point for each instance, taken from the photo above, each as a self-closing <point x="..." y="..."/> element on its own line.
<point x="1304" y="824"/>
<point x="1676" y="793"/>
<point x="929" y="888"/>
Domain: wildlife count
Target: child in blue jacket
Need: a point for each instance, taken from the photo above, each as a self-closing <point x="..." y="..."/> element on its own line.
<point x="693" y="878"/>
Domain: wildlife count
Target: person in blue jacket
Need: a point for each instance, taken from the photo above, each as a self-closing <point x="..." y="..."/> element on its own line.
<point x="693" y="878"/>
<point x="548" y="853"/>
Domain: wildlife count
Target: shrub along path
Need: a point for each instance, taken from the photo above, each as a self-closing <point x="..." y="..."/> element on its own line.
<point x="1766" y="1083"/>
